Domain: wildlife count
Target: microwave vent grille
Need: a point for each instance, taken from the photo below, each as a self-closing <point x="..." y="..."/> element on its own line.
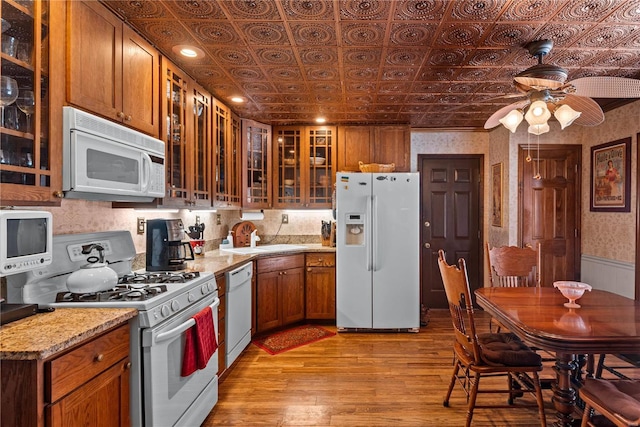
<point x="96" y="125"/>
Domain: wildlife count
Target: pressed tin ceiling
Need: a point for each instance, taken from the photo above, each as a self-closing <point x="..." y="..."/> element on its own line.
<point x="428" y="63"/>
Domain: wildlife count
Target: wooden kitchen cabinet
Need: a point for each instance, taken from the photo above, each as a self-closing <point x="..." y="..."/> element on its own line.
<point x="186" y="130"/>
<point x="112" y="71"/>
<point x="221" y="281"/>
<point x="228" y="157"/>
<point x="320" y="286"/>
<point x="30" y="170"/>
<point x="89" y="382"/>
<point x="374" y="144"/>
<point x="304" y="166"/>
<point x="279" y="291"/>
<point x="256" y="155"/>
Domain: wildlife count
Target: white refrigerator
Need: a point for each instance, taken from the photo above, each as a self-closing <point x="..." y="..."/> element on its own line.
<point x="378" y="285"/>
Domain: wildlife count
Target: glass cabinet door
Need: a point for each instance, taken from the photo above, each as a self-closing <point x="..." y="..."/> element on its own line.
<point x="24" y="101"/>
<point x="321" y="144"/>
<point x="289" y="179"/>
<point x="175" y="110"/>
<point x="257" y="151"/>
<point x="228" y="158"/>
<point x="201" y="174"/>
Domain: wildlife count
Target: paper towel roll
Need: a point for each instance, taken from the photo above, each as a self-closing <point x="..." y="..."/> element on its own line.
<point x="252" y="215"/>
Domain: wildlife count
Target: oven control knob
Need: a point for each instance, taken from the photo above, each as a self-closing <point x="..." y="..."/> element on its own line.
<point x="164" y="311"/>
<point x="191" y="297"/>
<point x="175" y="306"/>
<point x="204" y="289"/>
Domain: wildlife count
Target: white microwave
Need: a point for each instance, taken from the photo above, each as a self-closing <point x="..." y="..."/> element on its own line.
<point x="26" y="240"/>
<point x="103" y="160"/>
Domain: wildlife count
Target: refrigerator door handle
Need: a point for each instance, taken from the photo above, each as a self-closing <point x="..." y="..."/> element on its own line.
<point x="368" y="234"/>
<point x="374" y="223"/>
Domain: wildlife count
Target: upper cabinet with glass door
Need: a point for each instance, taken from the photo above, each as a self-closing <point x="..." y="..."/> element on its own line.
<point x="321" y="142"/>
<point x="25" y="148"/>
<point x="256" y="181"/>
<point x="227" y="179"/>
<point x="305" y="158"/>
<point x="201" y="185"/>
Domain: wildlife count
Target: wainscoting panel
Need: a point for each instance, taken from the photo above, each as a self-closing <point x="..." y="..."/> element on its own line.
<point x="609" y="275"/>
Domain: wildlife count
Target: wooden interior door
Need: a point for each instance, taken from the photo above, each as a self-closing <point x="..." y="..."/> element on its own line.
<point x="549" y="208"/>
<point x="451" y="200"/>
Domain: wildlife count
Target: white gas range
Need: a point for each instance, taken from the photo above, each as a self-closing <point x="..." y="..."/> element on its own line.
<point x="166" y="303"/>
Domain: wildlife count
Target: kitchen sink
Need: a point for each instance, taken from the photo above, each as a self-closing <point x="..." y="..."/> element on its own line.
<point x="264" y="249"/>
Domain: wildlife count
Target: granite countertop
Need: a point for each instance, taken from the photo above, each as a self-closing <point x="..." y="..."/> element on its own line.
<point x="42" y="335"/>
<point x="219" y="262"/>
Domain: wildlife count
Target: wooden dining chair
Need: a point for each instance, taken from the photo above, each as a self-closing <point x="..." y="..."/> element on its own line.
<point x="627" y="362"/>
<point x="616" y="400"/>
<point x="511" y="266"/>
<point x="486" y="355"/>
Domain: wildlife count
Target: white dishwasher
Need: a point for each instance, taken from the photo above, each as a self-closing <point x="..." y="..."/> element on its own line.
<point x="238" y="315"/>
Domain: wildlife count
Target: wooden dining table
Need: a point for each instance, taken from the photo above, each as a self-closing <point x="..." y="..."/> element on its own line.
<point x="605" y="323"/>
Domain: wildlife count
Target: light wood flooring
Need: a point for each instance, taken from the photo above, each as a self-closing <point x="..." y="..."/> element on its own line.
<point x="359" y="379"/>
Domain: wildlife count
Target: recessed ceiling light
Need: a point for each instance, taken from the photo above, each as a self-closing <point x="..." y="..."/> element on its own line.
<point x="321" y="120"/>
<point x="237" y="99"/>
<point x="188" y="51"/>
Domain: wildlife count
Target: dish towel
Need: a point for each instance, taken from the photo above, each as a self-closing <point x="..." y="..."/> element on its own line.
<point x="200" y="343"/>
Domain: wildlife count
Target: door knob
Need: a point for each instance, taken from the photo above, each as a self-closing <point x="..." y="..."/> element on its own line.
<point x="427" y="224"/>
<point x="427" y="245"/>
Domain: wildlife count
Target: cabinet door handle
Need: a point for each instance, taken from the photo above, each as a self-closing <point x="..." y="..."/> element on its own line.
<point x="127" y="365"/>
<point x="100" y="357"/>
<point x="128" y="117"/>
<point x="120" y="115"/>
<point x="309" y="269"/>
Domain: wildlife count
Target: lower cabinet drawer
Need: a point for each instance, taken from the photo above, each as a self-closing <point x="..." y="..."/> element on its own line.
<point x="276" y="263"/>
<point x="76" y="367"/>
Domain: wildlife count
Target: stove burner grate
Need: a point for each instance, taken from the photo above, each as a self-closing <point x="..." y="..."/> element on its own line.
<point x="119" y="293"/>
<point x="159" y="277"/>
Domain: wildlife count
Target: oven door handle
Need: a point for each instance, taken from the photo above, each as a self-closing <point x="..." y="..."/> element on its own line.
<point x="172" y="333"/>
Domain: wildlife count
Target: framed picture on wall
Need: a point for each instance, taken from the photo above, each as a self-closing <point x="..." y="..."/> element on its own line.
<point x="496" y="195"/>
<point x="611" y="176"/>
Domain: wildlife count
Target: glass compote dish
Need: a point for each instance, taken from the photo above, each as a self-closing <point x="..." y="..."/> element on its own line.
<point x="8" y="94"/>
<point x="26" y="102"/>
<point x="572" y="291"/>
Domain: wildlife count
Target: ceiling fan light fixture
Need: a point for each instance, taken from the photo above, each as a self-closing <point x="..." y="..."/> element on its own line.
<point x="538" y="129"/>
<point x="512" y="120"/>
<point x="538" y="113"/>
<point x="566" y="115"/>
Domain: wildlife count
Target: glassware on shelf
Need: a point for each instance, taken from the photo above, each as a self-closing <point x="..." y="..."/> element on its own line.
<point x="26" y="102"/>
<point x="8" y="94"/>
<point x="9" y="45"/>
<point x="11" y="117"/>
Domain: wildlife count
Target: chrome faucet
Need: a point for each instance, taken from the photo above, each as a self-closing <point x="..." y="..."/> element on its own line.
<point x="254" y="238"/>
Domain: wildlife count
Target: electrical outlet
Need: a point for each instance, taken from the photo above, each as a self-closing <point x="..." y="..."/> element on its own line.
<point x="285" y="219"/>
<point x="218" y="219"/>
<point x="140" y="225"/>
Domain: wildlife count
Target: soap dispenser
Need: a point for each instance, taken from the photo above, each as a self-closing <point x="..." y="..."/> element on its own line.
<point x="229" y="239"/>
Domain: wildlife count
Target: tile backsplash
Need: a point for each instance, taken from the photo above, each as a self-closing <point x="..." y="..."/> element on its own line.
<point x="83" y="216"/>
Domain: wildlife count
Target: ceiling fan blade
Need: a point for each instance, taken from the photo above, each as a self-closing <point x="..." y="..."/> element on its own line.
<point x="537" y="83"/>
<point x="592" y="114"/>
<point x="607" y="87"/>
<point x="494" y="120"/>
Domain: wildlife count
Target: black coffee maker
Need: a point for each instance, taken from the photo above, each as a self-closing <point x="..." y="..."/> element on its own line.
<point x="165" y="249"/>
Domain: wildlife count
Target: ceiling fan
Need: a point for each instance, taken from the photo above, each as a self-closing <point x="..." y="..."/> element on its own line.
<point x="545" y="91"/>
